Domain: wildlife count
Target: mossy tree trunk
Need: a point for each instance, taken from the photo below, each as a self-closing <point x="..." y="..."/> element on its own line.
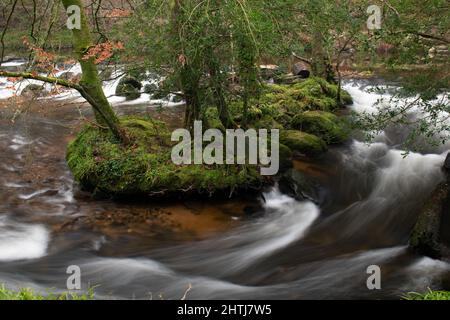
<point x="190" y="85"/>
<point x="248" y="72"/>
<point x="90" y="83"/>
<point x="321" y="64"/>
<point x="216" y="82"/>
<point x="188" y="79"/>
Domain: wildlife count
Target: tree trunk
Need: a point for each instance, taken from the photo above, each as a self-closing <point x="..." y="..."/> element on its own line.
<point x="90" y="82"/>
<point x="321" y="64"/>
<point x="189" y="81"/>
<point x="217" y="82"/>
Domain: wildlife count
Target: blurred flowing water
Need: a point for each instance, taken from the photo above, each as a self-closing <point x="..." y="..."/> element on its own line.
<point x="288" y="250"/>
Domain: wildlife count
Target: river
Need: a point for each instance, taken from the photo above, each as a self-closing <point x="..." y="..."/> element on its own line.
<point x="269" y="247"/>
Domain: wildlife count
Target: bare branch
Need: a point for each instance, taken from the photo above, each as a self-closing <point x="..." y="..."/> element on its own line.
<point x="5" y="29"/>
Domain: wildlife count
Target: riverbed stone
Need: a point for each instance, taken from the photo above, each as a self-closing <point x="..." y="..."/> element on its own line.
<point x="429" y="236"/>
<point x="323" y="124"/>
<point x="297" y="185"/>
<point x="447" y="163"/>
<point x="302" y="142"/>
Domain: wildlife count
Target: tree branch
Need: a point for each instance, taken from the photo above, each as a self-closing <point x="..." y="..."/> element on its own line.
<point x="308" y="61"/>
<point x="429" y="36"/>
<point x="4" y="31"/>
<point x="33" y="76"/>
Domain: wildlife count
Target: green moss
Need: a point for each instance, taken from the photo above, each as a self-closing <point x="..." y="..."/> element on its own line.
<point x="302" y="142"/>
<point x="322" y="124"/>
<point x="129" y="87"/>
<point x="267" y="123"/>
<point x="211" y="117"/>
<point x="429" y="295"/>
<point x="104" y="166"/>
<point x="28" y="294"/>
<point x="310" y="94"/>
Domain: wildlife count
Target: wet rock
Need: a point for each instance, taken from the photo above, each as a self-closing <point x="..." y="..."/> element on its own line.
<point x="297" y="185"/>
<point x="447" y="164"/>
<point x="301" y="70"/>
<point x="303" y="143"/>
<point x="429" y="236"/>
<point x="129" y="87"/>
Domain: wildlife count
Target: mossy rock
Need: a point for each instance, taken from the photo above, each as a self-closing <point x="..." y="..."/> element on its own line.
<point x="323" y="124"/>
<point x="102" y="165"/>
<point x="129" y="87"/>
<point x="150" y="88"/>
<point x="310" y="94"/>
<point x="212" y="120"/>
<point x="303" y="142"/>
<point x="426" y="236"/>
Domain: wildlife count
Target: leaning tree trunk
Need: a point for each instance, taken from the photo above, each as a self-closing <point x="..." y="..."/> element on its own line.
<point x="90" y="82"/>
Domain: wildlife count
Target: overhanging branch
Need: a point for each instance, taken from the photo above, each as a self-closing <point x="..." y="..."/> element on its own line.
<point x="33" y="76"/>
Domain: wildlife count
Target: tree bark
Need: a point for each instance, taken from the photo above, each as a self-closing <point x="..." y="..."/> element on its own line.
<point x="90" y="83"/>
<point x="219" y="98"/>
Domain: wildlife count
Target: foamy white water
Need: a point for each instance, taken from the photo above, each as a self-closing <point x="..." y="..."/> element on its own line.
<point x="20" y="241"/>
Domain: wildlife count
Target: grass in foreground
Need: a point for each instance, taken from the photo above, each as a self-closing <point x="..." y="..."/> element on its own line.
<point x="429" y="295"/>
<point x="28" y="294"/>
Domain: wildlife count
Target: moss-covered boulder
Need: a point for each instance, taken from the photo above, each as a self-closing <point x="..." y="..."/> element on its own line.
<point x="323" y="124"/>
<point x="303" y="142"/>
<point x="144" y="168"/>
<point x="310" y="94"/>
<point x="129" y="87"/>
<point x="430" y="235"/>
<point x="425" y="237"/>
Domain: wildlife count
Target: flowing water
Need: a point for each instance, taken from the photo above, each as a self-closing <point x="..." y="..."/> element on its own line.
<point x="272" y="246"/>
